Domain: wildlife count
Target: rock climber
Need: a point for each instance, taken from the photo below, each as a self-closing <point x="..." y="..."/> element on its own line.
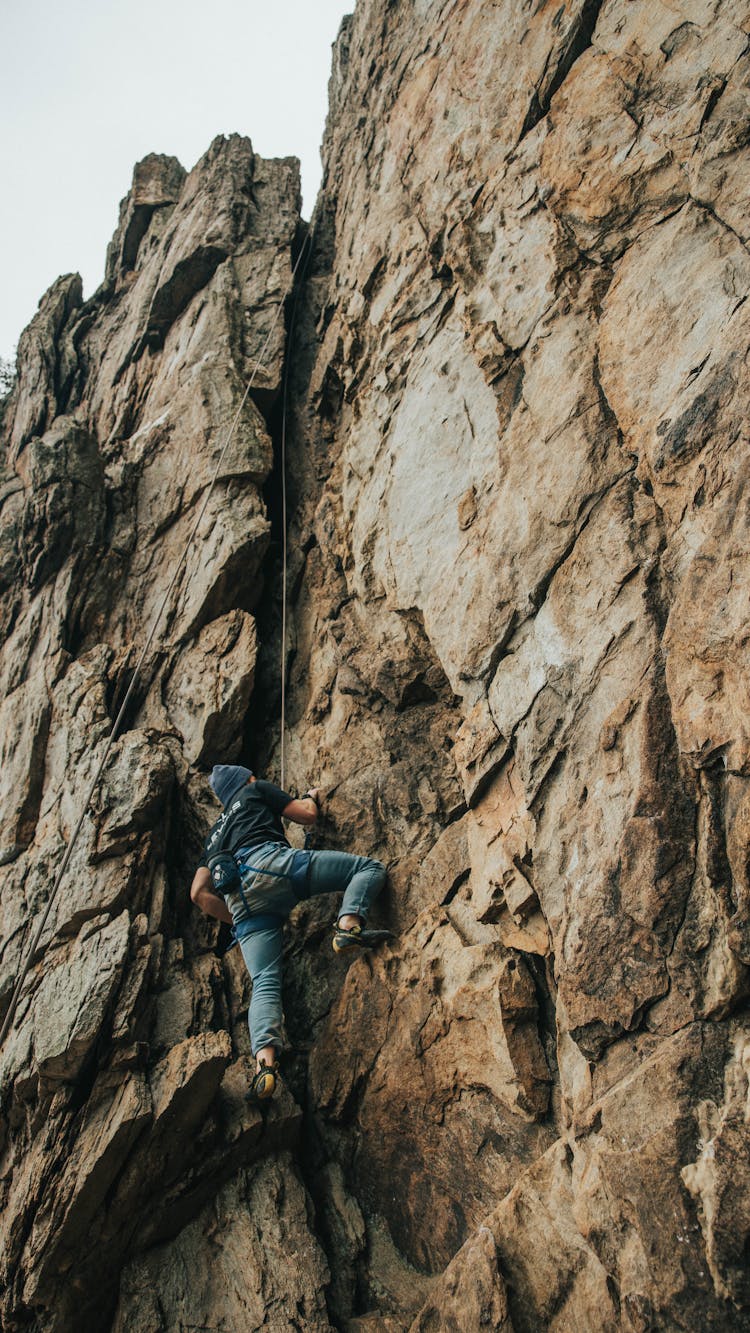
<point x="251" y="878"/>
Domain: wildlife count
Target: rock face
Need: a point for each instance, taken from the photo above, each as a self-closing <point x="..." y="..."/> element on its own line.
<point x="517" y="667"/>
<point x="122" y="1080"/>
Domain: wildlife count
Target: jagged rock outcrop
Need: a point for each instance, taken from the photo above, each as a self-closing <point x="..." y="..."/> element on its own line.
<point x="123" y="1078"/>
<point x="517" y="667"/>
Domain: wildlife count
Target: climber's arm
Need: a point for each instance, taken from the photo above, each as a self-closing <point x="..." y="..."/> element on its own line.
<point x="208" y="902"/>
<point x="304" y="809"/>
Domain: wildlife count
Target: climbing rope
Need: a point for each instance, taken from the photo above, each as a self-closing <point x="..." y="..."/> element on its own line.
<point x="139" y="665"/>
<point x="284" y="540"/>
<point x="284" y="526"/>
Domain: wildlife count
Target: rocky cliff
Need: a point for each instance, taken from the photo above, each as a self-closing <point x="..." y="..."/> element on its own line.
<point x="516" y="459"/>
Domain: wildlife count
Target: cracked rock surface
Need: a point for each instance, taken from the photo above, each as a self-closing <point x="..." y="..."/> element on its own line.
<point x="124" y="1124"/>
<point x="517" y="667"/>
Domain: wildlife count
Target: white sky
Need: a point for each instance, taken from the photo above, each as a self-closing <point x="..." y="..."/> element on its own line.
<point x="88" y="87"/>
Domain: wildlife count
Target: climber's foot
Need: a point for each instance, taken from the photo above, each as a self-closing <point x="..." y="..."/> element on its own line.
<point x="263" y="1086"/>
<point x="358" y="937"/>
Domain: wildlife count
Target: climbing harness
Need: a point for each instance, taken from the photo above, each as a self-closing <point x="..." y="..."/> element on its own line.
<point x="114" y="732"/>
<point x="298" y="873"/>
<point x="229" y="874"/>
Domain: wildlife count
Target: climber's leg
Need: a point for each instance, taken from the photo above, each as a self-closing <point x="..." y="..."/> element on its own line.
<point x="360" y="878"/>
<point x="262" y="952"/>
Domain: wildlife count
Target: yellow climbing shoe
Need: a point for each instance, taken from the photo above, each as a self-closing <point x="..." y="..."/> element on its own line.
<point x="358" y="937"/>
<point x="263" y="1085"/>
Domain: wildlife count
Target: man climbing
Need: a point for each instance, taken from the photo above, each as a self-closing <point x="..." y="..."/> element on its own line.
<point x="251" y="878"/>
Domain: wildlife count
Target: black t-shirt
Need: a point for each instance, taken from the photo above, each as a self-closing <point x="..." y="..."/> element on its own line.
<point x="252" y="817"/>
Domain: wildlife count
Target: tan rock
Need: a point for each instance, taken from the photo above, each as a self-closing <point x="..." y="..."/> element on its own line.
<point x="470" y="1294"/>
<point x="118" y="1118"/>
<point x="74" y="996"/>
<point x="157" y="184"/>
<point x="24" y="726"/>
<point x="251" y="1229"/>
<point x="44" y="352"/>
<point x="208" y="692"/>
<point x="713" y="1180"/>
<point x="523" y="424"/>
<point x="113" y="431"/>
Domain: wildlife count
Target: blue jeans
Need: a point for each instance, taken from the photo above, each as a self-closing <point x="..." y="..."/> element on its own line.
<point x="360" y="878"/>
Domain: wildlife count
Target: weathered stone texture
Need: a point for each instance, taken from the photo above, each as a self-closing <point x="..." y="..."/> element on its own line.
<point x="516" y="666"/>
<point x="121" y="1087"/>
<point x="521" y="466"/>
<point x="217" y="1272"/>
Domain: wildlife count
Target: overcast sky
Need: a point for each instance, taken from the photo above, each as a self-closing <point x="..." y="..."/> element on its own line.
<point x="88" y="87"/>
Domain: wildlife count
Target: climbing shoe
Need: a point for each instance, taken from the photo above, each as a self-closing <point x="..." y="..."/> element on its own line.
<point x="263" y="1086"/>
<point x="358" y="937"/>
